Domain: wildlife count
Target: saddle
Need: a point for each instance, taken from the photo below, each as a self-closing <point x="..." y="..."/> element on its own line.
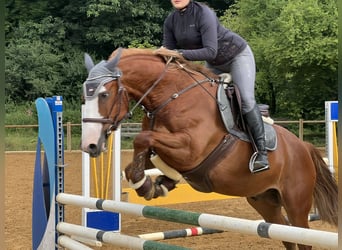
<point x="229" y="104"/>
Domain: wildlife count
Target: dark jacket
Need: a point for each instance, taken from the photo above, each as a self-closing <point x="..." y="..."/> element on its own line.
<point x="198" y="34"/>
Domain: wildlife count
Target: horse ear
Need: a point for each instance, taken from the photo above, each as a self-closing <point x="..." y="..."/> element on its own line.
<point x="89" y="64"/>
<point x="112" y="63"/>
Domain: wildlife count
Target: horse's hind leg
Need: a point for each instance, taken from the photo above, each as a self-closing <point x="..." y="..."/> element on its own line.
<point x="269" y="205"/>
<point x="298" y="211"/>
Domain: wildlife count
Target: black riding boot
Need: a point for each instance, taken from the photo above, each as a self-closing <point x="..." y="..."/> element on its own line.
<point x="256" y="126"/>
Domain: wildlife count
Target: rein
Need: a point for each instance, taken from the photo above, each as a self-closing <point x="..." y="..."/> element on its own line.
<point x="151" y="114"/>
<point x="130" y="113"/>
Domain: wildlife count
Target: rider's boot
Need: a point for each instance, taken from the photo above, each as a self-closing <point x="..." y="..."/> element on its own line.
<point x="255" y="124"/>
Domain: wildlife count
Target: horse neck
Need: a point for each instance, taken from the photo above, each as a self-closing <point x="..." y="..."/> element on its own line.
<point x="148" y="79"/>
<point x="154" y="79"/>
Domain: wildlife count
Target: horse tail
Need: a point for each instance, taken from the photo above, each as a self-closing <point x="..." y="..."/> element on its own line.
<point x="326" y="188"/>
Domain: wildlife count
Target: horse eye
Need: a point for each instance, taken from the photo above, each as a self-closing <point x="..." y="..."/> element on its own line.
<point x="104" y="95"/>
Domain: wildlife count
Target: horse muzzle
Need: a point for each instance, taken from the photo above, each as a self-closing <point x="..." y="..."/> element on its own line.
<point x="93" y="140"/>
<point x="93" y="150"/>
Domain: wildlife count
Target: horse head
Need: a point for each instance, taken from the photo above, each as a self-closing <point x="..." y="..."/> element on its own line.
<point x="101" y="89"/>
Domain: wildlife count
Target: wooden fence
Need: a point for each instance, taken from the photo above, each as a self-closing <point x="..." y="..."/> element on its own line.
<point x="129" y="130"/>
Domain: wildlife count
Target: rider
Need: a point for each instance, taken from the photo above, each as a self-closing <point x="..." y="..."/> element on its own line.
<point x="193" y="29"/>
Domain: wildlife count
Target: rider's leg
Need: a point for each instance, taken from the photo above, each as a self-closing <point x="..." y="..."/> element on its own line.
<point x="243" y="72"/>
<point x="242" y="69"/>
<point x="256" y="126"/>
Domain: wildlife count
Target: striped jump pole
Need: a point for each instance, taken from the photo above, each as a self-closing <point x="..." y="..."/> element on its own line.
<point x="262" y="229"/>
<point x="172" y="234"/>
<point x="116" y="239"/>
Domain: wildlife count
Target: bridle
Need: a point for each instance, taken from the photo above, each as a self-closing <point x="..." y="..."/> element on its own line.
<point x="119" y="100"/>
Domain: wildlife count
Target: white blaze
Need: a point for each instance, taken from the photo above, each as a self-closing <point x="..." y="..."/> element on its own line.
<point x="91" y="131"/>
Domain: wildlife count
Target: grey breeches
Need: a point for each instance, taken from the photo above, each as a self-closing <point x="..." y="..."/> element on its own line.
<point x="242" y="69"/>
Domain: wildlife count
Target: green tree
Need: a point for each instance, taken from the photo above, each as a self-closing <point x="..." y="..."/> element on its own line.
<point x="45" y="41"/>
<point x="31" y="61"/>
<point x="295" y="46"/>
<point x="117" y="23"/>
<point x="40" y="62"/>
<point x="307" y="55"/>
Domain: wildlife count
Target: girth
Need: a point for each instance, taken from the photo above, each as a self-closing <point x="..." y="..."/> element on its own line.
<point x="198" y="177"/>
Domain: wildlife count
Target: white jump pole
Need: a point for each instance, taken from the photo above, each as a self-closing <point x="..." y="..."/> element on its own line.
<point x="67" y="242"/>
<point x="85" y="178"/>
<point x="116" y="159"/>
<point x="94" y="243"/>
<point x="266" y="230"/>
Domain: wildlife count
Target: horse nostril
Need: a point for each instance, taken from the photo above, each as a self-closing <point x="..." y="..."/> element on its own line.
<point x="92" y="150"/>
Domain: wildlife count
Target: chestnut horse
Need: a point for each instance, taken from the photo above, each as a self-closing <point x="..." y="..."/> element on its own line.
<point x="182" y="129"/>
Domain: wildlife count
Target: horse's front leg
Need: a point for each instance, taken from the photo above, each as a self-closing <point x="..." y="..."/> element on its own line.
<point x="135" y="174"/>
<point x="143" y="183"/>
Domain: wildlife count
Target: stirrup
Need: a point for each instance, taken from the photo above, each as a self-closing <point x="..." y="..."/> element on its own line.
<point x="251" y="164"/>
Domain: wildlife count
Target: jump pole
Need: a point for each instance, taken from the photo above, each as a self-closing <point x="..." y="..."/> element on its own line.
<point x="69" y="243"/>
<point x="172" y="234"/>
<point x="262" y="229"/>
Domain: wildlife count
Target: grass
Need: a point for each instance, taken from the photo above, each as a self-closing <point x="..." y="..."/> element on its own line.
<point x="25" y="139"/>
<point x="20" y="143"/>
